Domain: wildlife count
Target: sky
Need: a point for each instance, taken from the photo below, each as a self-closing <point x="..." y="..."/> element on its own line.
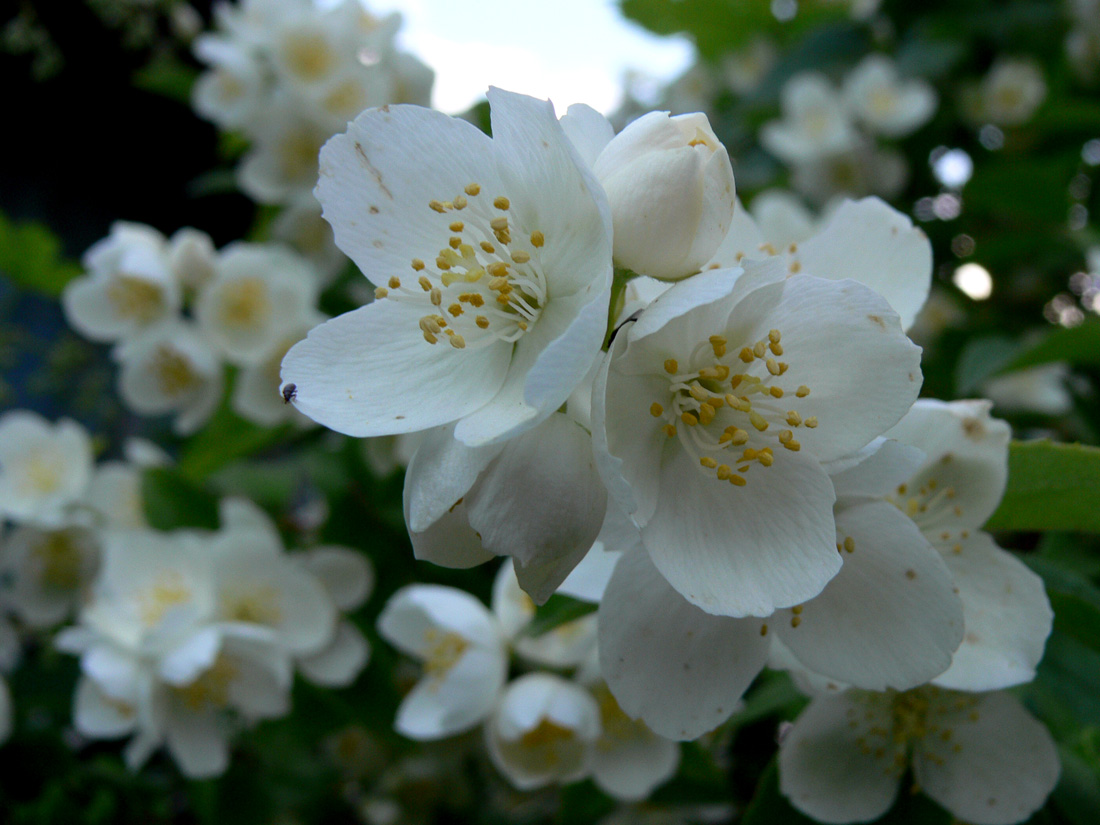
<point x="571" y="51"/>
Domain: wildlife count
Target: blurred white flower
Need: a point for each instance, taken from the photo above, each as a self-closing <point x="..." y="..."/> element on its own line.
<point x="44" y="468"/>
<point x="1040" y="389"/>
<point x="814" y="125"/>
<point x="1012" y="91"/>
<point x="48" y="571"/>
<point x="884" y="102"/>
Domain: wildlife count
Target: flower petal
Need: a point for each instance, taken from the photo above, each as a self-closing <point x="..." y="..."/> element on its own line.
<point x="998" y="766"/>
<point x="370" y="372"/>
<point x="341" y="662"/>
<point x="825" y="773"/>
<point x="466" y="695"/>
<point x="890" y="618"/>
<point x="744" y="551"/>
<point x="677" y="668"/>
<point x="1007" y="614"/>
<point x="441" y="472"/>
<point x="871" y="242"/>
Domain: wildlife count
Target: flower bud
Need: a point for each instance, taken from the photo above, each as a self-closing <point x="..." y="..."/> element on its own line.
<point x="670" y="185"/>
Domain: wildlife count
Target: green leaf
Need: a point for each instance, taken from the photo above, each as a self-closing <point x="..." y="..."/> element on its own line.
<point x="1077" y="795"/>
<point x="1075" y="600"/>
<point x="1050" y="487"/>
<point x="774" y="694"/>
<point x="982" y="358"/>
<point x="557" y="611"/>
<point x="165" y="75"/>
<point x="1078" y="345"/>
<point x="172" y="502"/>
<point x="225" y="438"/>
<point x="30" y="255"/>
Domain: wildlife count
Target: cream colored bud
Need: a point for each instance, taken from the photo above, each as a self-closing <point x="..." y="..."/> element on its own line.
<point x="670" y="185"/>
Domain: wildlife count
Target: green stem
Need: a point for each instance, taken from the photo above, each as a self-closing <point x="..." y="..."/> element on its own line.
<point x="618" y="283"/>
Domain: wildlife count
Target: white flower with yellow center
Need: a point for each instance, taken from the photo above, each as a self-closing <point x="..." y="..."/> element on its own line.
<point x="1012" y="91"/>
<point x="949" y="496"/>
<point x="714" y="411"/>
<point x="171" y="368"/>
<point x="129" y="286"/>
<point x="543" y="731"/>
<point x="48" y="571"/>
<point x="492" y="259"/>
<point x="464" y="654"/>
<point x="231" y="91"/>
<point x="814" y="123"/>
<point x="258" y="294"/>
<point x="982" y="756"/>
<point x="44" y="468"/>
<point x="629" y="760"/>
<point x="884" y="102"/>
<point x="282" y="163"/>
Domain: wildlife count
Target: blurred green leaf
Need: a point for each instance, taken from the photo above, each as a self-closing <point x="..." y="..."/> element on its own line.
<point x="980" y="359"/>
<point x="1050" y="487"/>
<point x="557" y="611"/>
<point x="225" y="438"/>
<point x="168" y="76"/>
<point x="1076" y="601"/>
<point x="30" y="255"/>
<point x="172" y="502"/>
<point x="1077" y="794"/>
<point x="1079" y="345"/>
<point x="1031" y="190"/>
<point x="773" y="694"/>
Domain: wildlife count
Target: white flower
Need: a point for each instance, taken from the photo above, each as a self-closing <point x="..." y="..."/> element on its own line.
<point x="864" y="170"/>
<point x="715" y="410"/>
<point x="543" y="731"/>
<point x="171" y="368"/>
<point x="464" y="505"/>
<point x="230" y="93"/>
<point x="464" y="654"/>
<point x="879" y="98"/>
<point x="48" y="571"/>
<point x="949" y="496"/>
<point x="782" y="218"/>
<point x="670" y="185"/>
<point x="44" y="468"/>
<point x="192" y="257"/>
<point x="814" y="125"/>
<point x="745" y="68"/>
<point x="256" y="395"/>
<point x="1012" y="91"/>
<point x="1040" y="389"/>
<point x="282" y="163"/>
<point x="981" y="756"/>
<point x="629" y="760"/>
<point x="865" y="240"/>
<point x="114" y="496"/>
<point x="260" y="292"/>
<point x="128" y="288"/>
<point x="493" y="263"/>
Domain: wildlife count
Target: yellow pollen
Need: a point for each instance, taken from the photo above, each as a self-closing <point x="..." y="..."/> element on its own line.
<point x="746" y="355"/>
<point x="460" y="202"/>
<point x="473" y="190"/>
<point x="796" y="621"/>
<point x="718" y="344"/>
<point x="811" y="422"/>
<point x="763" y="630"/>
<point x="499" y="224"/>
<point x="671" y="366"/>
<point x="436" y="297"/>
<point x="719" y="372"/>
<point x="689" y="419"/>
<point x="670" y="430"/>
<point x="776" y="392"/>
<point x="537" y="239"/>
<point x="656" y="409"/>
<point x="487" y="247"/>
<point x="792" y="445"/>
<point x="520" y="257"/>
<point x="793" y="418"/>
<point x="706" y="413"/>
<point x="759" y="348"/>
<point x="381" y="292"/>
<point x="850" y="544"/>
<point x="698" y="393"/>
<point x="417" y="264"/>
<point x="457" y="226"/>
<point x="766" y="458"/>
<point x="774" y="336"/>
<point x="497" y="270"/>
<point x="455" y="309"/>
<point x="783" y="367"/>
<point x="785" y="436"/>
<point x="802" y="391"/>
<point x="457" y="341"/>
<point x="394" y="282"/>
<point x="437" y="206"/>
<point x="796" y="609"/>
<point x="454" y="242"/>
<point x="708" y="462"/>
<point x="757" y="420"/>
<point x="724" y="471"/>
<point x="481" y="321"/>
<point x="773" y="367"/>
<point x="442" y="263"/>
<point x="501" y="203"/>
<point x="716" y="402"/>
<point x="737" y="481"/>
<point x="735" y="382"/>
<point x="795" y="267"/>
<point x="425" y="284"/>
<point x="777" y="349"/>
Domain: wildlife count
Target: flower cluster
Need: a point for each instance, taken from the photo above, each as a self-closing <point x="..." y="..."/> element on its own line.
<point x="828" y="135"/>
<point x="177" y="311"/>
<point x="289" y="74"/>
<point x="609" y="359"/>
<point x="173" y="628"/>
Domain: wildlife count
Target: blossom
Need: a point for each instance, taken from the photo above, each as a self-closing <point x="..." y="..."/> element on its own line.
<point x="670" y="186"/>
<point x="629" y="760"/>
<point x="129" y="286"/>
<point x="170" y="368"/>
<point x="1012" y="91"/>
<point x="949" y="496"/>
<point x="981" y="756"/>
<point x="463" y="505"/>
<point x="695" y="415"/>
<point x="543" y="731"/>
<point x="492" y="259"/>
<point x="464" y="654"/>
<point x="48" y="571"/>
<point x="1041" y="389"/>
<point x="876" y="96"/>
<point x="814" y="124"/>
<point x="44" y="468"/>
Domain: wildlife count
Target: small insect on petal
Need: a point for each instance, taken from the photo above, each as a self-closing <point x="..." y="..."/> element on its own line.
<point x="289" y="393"/>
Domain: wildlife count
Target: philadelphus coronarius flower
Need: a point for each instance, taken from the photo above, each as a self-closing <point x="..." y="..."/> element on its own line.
<point x="713" y="413"/>
<point x="814" y="125"/>
<point x="492" y="259"/>
<point x="883" y="102"/>
<point x="44" y="468"/>
<point x="981" y="756"/>
<point x="670" y="185"/>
